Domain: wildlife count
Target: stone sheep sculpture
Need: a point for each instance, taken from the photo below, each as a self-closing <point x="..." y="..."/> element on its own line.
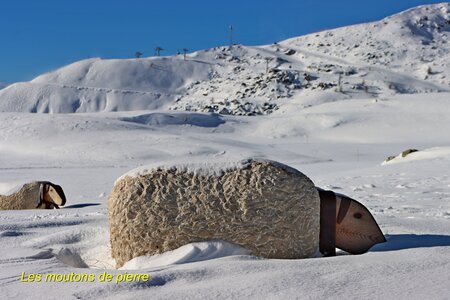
<point x="269" y="208"/>
<point x="36" y="194"/>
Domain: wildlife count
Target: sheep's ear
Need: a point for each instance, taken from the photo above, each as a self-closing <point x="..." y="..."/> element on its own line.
<point x="53" y="195"/>
<point x="355" y="229"/>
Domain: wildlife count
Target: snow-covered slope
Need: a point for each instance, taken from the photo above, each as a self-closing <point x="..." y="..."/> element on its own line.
<point x="339" y="145"/>
<point x="413" y="42"/>
<point x="404" y="53"/>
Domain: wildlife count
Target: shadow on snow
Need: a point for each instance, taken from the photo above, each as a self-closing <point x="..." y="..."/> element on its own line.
<point x="409" y="241"/>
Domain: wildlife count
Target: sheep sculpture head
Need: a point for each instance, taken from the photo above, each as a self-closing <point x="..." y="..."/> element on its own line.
<point x="346" y="224"/>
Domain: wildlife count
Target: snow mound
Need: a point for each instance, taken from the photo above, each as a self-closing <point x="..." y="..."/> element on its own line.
<point x="435" y="153"/>
<point x="192" y="252"/>
<point x="161" y="119"/>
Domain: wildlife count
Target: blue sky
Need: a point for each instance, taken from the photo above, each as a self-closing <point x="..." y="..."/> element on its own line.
<point x="37" y="36"/>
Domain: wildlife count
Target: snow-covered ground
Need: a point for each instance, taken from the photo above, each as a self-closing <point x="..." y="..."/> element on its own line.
<point x="338" y="137"/>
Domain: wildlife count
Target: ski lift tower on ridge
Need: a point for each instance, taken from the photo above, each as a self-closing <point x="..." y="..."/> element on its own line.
<point x="231" y="36"/>
<point x="158" y="50"/>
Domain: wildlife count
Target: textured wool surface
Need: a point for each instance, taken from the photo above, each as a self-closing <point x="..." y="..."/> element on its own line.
<point x="264" y="207"/>
<point x="25" y="198"/>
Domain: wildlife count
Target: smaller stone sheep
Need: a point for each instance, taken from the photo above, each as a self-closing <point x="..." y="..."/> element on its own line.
<point x="36" y="194"/>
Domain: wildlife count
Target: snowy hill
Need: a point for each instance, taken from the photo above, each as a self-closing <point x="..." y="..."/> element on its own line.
<point x="405" y="53"/>
<point x="104" y="85"/>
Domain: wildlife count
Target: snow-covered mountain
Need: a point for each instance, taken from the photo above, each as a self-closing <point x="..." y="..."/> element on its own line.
<point x="404" y="53"/>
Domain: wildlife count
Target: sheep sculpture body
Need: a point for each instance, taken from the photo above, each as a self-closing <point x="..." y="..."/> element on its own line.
<point x="25" y="198"/>
<point x="264" y="206"/>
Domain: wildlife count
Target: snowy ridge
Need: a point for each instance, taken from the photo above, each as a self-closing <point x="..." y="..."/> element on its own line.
<point x="411" y="42"/>
<point x="404" y="53"/>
